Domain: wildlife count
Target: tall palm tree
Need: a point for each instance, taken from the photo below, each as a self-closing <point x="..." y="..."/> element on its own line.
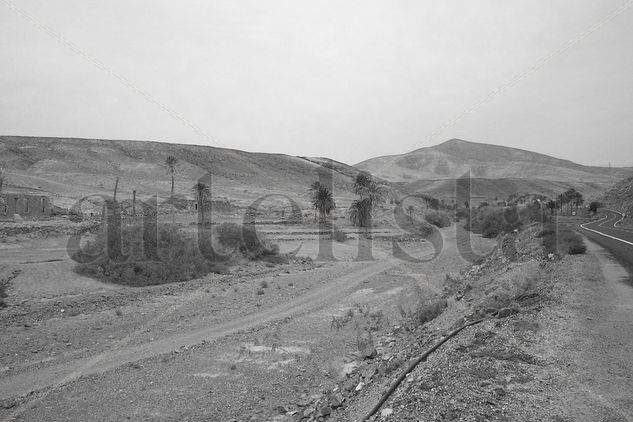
<point x="312" y="191"/>
<point x="371" y="194"/>
<point x="321" y="199"/>
<point x="578" y="200"/>
<point x="171" y="162"/>
<point x="202" y="192"/>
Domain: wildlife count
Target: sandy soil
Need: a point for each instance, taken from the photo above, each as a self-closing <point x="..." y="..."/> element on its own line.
<point x="209" y="349"/>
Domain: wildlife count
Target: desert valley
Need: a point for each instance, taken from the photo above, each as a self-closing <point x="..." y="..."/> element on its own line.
<point x="463" y="281"/>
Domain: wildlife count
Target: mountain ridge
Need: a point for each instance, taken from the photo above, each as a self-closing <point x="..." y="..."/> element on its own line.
<point x="453" y="158"/>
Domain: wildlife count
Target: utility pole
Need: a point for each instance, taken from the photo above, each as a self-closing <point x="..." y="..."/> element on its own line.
<point x="116" y="186"/>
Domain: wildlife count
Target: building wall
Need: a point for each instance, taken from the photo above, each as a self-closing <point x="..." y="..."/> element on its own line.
<point x="28" y="206"/>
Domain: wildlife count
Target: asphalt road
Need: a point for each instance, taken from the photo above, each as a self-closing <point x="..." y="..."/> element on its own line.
<point x="608" y="234"/>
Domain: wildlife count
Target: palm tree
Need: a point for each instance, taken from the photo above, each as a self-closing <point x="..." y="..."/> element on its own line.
<point x="202" y="192"/>
<point x="552" y="205"/>
<point x="171" y="162"/>
<point x="321" y="199"/>
<point x="578" y="200"/>
<point x="312" y="191"/>
<point x="371" y="194"/>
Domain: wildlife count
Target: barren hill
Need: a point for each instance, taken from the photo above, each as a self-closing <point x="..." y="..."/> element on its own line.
<point x="69" y="169"/>
<point x="620" y="197"/>
<point x="455" y="157"/>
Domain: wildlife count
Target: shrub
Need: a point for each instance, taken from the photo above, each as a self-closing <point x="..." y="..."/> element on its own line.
<point x="426" y="311"/>
<point x="245" y="239"/>
<point x="573" y="243"/>
<point x="562" y="240"/>
<point x="177" y="258"/>
<point x="452" y="283"/>
<point x="419" y="308"/>
<point x="493" y="221"/>
<point x="437" y="218"/>
<point x="176" y="255"/>
<point x="339" y="235"/>
<point x="3" y="294"/>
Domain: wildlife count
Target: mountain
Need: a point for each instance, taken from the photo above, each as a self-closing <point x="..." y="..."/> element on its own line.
<point x="496" y="171"/>
<point x="69" y="169"/>
<point x="455" y="157"/>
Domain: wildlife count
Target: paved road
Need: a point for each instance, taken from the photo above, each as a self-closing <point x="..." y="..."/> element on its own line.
<point x="608" y="233"/>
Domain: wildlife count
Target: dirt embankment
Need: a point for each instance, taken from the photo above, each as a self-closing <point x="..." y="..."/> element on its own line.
<point x="553" y="345"/>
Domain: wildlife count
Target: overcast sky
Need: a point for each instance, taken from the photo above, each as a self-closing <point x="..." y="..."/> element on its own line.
<point x="348" y="80"/>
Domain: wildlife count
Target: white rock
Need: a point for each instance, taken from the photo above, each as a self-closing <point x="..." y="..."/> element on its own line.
<point x="386" y="412"/>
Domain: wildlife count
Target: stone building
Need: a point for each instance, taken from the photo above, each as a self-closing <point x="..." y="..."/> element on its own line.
<point x="26" y="205"/>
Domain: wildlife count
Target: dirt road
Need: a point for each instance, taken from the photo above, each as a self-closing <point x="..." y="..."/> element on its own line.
<point x="597" y="335"/>
<point x="122" y="353"/>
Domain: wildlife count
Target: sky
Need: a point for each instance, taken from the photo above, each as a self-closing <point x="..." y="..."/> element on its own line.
<point x="348" y="80"/>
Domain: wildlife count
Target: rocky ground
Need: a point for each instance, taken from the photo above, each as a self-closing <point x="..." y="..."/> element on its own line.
<point x="324" y="340"/>
<point x="550" y="347"/>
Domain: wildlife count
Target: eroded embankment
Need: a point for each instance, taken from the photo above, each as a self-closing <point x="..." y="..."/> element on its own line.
<point x="552" y="345"/>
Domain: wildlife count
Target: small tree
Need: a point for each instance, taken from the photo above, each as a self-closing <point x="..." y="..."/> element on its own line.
<point x="594" y="206"/>
<point x="202" y="192"/>
<point x="552" y="205"/>
<point x="171" y="162"/>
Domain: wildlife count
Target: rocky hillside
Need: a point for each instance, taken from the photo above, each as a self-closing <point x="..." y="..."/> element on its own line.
<point x="69" y="169"/>
<point x="455" y="157"/>
<point x="620" y="197"/>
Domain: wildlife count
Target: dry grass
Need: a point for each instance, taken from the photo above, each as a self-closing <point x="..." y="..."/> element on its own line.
<point x="419" y="308"/>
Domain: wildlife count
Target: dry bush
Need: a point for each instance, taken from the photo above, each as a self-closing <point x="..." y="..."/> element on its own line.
<point x="493" y="221"/>
<point x="437" y="218"/>
<point x="561" y="240"/>
<point x="510" y="287"/>
<point x="3" y="294"/>
<point x="419" y="308"/>
<point x="178" y="256"/>
<point x="246" y="240"/>
<point x="453" y="283"/>
<point x="339" y="235"/>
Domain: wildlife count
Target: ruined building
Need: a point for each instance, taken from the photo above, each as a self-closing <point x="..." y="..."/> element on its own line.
<point x="26" y="205"/>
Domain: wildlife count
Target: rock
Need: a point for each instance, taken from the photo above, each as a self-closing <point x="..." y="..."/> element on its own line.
<point x="325" y="411"/>
<point x="368" y="373"/>
<point x="304" y="402"/>
<point x="506" y="312"/>
<point x="386" y="412"/>
<point x="336" y="400"/>
<point x="348" y="385"/>
<point x="360" y="386"/>
<point x="369" y="352"/>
